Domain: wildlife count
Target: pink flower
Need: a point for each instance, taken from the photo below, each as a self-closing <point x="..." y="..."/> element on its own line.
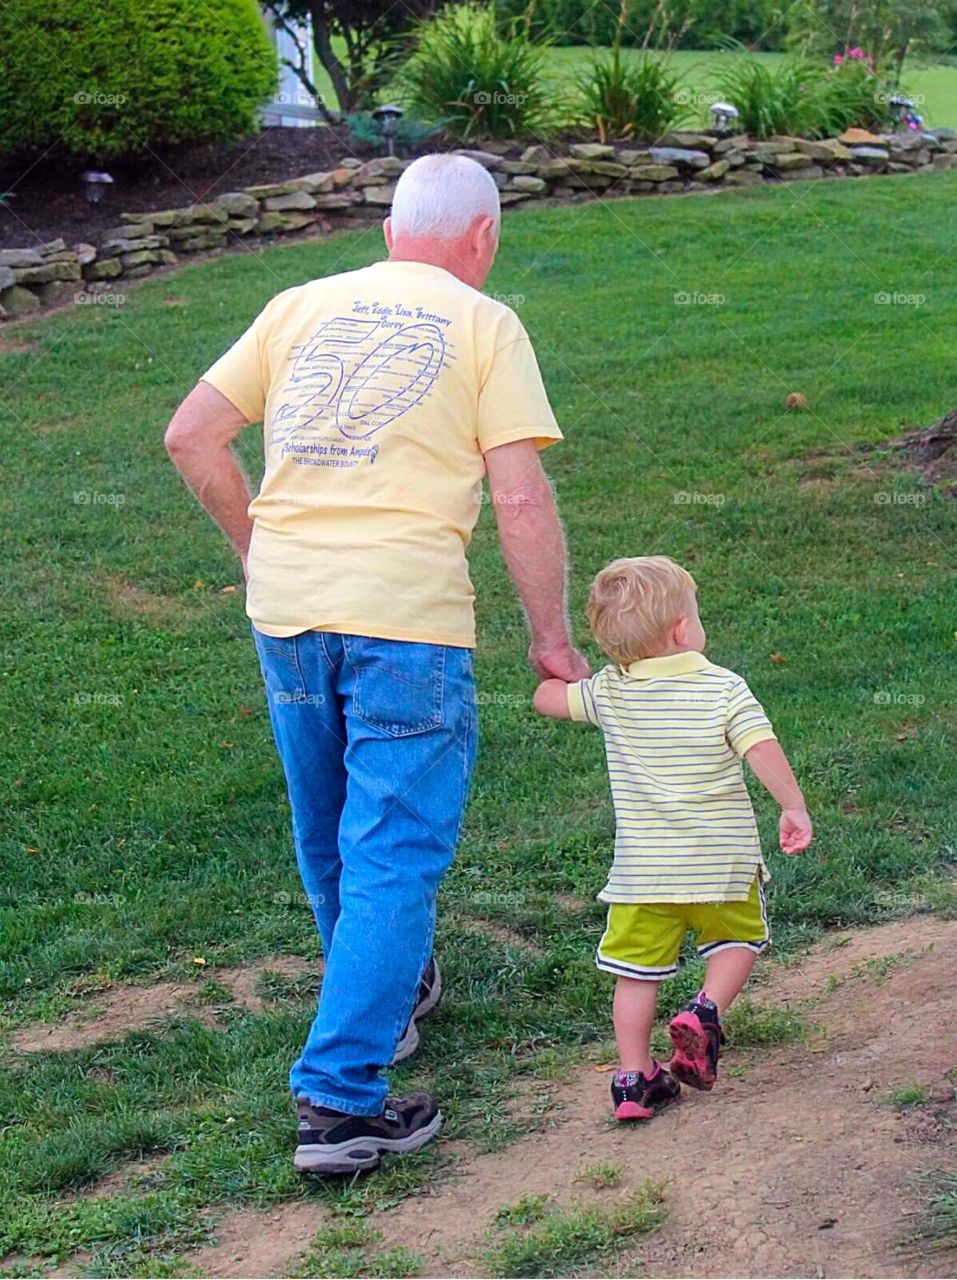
<point x="838" y="59"/>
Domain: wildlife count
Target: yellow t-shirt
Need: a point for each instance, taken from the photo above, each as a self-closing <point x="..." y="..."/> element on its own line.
<point x="380" y="390"/>
<point x="676" y="729"/>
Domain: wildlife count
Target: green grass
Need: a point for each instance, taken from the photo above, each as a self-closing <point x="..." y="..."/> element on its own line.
<point x="906" y="1096"/>
<point x="566" y="1240"/>
<point x="528" y="1209"/>
<point x="600" y="1175"/>
<point x="143" y="818"/>
<point x="938" y="1225"/>
<point x="345" y="1251"/>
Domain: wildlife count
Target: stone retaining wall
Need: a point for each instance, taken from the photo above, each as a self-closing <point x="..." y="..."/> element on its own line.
<point x="683" y="162"/>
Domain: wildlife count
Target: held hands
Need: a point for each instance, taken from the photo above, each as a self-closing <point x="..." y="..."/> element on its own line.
<point x="558" y="662"/>
<point x="796" y="831"/>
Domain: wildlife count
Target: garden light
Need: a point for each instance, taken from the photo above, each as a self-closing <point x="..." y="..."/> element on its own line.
<point x="388" y="117"/>
<point x="724" y="115"/>
<point x="93" y="183"/>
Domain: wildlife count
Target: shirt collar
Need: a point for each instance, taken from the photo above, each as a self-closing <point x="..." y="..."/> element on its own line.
<point x="670" y="664"/>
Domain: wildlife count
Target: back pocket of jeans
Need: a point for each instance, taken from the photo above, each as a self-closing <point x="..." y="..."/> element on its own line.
<point x="399" y="685"/>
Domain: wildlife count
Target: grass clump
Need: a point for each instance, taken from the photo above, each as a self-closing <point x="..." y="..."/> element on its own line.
<point x="750" y="1024"/>
<point x="564" y="1240"/>
<point x="938" y="1225"/>
<point x="342" y="1250"/>
<point x="528" y="1209"/>
<point x="600" y="1175"/>
<point x="907" y="1095"/>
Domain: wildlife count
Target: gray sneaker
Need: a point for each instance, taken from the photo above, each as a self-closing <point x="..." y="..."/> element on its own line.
<point x="334" y="1142"/>
<point x="430" y="993"/>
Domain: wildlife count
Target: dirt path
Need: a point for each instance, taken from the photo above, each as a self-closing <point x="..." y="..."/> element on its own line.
<point x="799" y="1166"/>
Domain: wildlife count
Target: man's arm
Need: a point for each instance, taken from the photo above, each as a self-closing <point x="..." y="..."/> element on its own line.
<point x="771" y="766"/>
<point x="198" y="440"/>
<point x="534" y="550"/>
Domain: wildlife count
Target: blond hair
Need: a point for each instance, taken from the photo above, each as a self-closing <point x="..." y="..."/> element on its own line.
<point x="634" y="602"/>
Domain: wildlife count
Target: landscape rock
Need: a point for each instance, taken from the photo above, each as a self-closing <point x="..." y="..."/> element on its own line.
<point x="715" y="171"/>
<point x="379" y="196"/>
<point x="487" y="158"/>
<point x="272" y="189"/>
<point x="239" y="204"/>
<point x="825" y="151"/>
<point x="7" y="279"/>
<point x="141" y="257"/>
<point x="291" y="200"/>
<point x="534" y="186"/>
<point x="515" y="167"/>
<point x="313" y="183"/>
<point x="20" y="258"/>
<point x="608" y="168"/>
<point x="945" y="161"/>
<point x="49" y="271"/>
<point x="343" y="177"/>
<point x="742" y="178"/>
<point x="859" y="137"/>
<point x="103" y="269"/>
<point x="736" y="142"/>
<point x="514" y="197"/>
<point x="242" y="226"/>
<point x="164" y="218"/>
<point x="113" y="246"/>
<point x="792" y="160"/>
<point x="52" y="291"/>
<point x="807" y="173"/>
<point x="536" y="155"/>
<point x="273" y="221"/>
<point x="17" y="301"/>
<point x="53" y="247"/>
<point x="681" y="157"/>
<point x="654" y="172"/>
<point x="870" y="155"/>
<point x="690" y="141"/>
<point x="336" y="200"/>
<point x="631" y="157"/>
<point x="591" y="151"/>
<point x="206" y="213"/>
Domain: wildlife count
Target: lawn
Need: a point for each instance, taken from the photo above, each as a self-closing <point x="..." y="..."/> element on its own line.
<point x="144" y="829"/>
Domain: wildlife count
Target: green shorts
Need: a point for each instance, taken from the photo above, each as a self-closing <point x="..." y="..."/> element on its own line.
<point x="643" y="939"/>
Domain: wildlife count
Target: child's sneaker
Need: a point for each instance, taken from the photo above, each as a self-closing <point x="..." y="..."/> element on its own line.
<point x="638" y="1097"/>
<point x="697" y="1038"/>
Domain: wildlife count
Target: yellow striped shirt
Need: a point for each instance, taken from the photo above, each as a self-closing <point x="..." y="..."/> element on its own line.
<point x="676" y="729"/>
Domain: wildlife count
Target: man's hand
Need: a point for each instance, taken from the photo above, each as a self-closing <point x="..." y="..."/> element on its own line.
<point x="558" y="662"/>
<point x="796" y="831"/>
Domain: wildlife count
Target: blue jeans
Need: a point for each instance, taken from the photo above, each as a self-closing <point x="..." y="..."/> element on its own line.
<point x="377" y="739"/>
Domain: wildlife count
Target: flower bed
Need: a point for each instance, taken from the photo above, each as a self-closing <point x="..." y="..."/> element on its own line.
<point x="682" y="162"/>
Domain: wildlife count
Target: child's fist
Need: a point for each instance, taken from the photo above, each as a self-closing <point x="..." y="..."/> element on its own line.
<point x="796" y="830"/>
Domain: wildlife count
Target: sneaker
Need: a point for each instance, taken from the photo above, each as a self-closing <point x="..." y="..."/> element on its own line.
<point x="697" y="1038"/>
<point x="335" y="1142"/>
<point x="638" y="1097"/>
<point x="430" y="993"/>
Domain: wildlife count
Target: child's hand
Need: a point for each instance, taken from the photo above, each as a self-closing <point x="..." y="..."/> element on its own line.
<point x="796" y="830"/>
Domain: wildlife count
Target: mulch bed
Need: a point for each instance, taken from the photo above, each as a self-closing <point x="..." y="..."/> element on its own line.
<point x="48" y="199"/>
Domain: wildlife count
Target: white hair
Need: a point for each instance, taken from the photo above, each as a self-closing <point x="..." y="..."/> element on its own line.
<point x="441" y="196"/>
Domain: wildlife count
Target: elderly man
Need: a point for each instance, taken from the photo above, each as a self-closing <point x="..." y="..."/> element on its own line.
<point x="386" y="394"/>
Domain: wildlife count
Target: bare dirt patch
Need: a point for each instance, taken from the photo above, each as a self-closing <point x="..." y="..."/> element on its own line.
<point x="798" y="1166"/>
<point x="113" y="1014"/>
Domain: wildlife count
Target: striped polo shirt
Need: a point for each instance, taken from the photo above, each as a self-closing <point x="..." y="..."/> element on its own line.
<point x="676" y="729"/>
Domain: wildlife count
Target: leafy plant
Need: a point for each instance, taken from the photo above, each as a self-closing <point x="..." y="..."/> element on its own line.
<point x="481" y="83"/>
<point x="632" y="97"/>
<point x="770" y="101"/>
<point x="907" y="1095"/>
<point x="528" y="1209"/>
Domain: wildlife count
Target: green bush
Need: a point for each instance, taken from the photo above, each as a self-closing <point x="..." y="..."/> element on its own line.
<point x="480" y="82"/>
<point x="805" y="97"/>
<point x="108" y="77"/>
<point x="629" y="97"/>
<point x="688" y="24"/>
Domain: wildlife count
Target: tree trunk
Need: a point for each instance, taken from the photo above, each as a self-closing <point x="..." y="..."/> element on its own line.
<point x="322" y="39"/>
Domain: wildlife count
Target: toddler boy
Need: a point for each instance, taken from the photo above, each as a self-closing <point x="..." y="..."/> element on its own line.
<point x="687" y="854"/>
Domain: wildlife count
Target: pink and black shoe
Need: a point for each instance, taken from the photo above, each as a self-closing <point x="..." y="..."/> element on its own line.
<point x="638" y="1097"/>
<point x="697" y="1038"/>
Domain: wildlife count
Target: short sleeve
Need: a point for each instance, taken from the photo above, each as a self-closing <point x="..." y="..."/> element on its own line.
<point x="513" y="404"/>
<point x="582" y="702"/>
<point x="240" y="374"/>
<point x="747" y="724"/>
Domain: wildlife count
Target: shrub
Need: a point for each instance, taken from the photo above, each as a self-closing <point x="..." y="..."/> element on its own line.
<point x="107" y="77"/>
<point x="481" y="82"/>
<point x="769" y="101"/>
<point x="630" y="97"/>
<point x="409" y="132"/>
